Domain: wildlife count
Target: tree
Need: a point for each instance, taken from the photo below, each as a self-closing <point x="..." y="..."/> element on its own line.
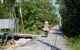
<point x="3" y="12"/>
<point x="35" y="11"/>
<point x="70" y="16"/>
<point x="10" y="5"/>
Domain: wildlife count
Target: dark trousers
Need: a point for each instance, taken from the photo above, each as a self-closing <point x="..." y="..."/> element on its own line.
<point x="46" y="33"/>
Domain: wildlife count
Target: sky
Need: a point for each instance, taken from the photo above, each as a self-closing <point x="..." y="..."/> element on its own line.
<point x="1" y="1"/>
<point x="56" y="8"/>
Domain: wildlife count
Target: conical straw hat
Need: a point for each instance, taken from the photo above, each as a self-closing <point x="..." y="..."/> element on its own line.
<point x="46" y="22"/>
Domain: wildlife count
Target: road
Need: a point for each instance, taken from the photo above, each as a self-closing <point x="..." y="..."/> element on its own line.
<point x="54" y="41"/>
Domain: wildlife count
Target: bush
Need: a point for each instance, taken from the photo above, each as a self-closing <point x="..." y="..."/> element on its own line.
<point x="74" y="43"/>
<point x="70" y="17"/>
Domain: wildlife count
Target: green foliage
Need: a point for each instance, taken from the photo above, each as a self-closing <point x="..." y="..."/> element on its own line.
<point x="70" y="16"/>
<point x="11" y="2"/>
<point x="6" y="8"/>
<point x="70" y="13"/>
<point x="3" y="12"/>
<point x="34" y="12"/>
<point x="74" y="43"/>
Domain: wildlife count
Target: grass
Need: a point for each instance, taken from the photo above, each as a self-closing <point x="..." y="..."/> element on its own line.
<point x="35" y="32"/>
<point x="74" y="43"/>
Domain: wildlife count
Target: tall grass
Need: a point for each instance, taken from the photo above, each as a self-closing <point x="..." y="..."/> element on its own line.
<point x="74" y="43"/>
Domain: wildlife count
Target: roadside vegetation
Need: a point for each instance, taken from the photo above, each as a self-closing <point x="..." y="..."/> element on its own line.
<point x="34" y="13"/>
<point x="74" y="43"/>
<point x="70" y="13"/>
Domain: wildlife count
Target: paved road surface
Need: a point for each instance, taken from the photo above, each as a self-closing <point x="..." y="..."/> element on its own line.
<point x="54" y="41"/>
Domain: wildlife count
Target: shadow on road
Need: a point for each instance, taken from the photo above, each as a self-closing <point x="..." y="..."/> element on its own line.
<point x="58" y="32"/>
<point x="49" y="45"/>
